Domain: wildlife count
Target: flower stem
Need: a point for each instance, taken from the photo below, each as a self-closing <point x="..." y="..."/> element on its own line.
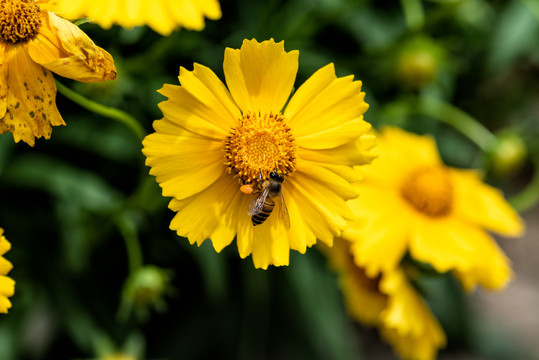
<point x="413" y="12"/>
<point x="111" y="113"/>
<point x="127" y="227"/>
<point x="459" y="120"/>
<point x="528" y="197"/>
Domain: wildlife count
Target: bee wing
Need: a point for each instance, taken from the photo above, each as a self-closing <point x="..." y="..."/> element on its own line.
<point x="283" y="212"/>
<point x="256" y="205"/>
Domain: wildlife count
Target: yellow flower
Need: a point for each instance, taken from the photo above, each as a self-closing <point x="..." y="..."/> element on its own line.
<point x="34" y="42"/>
<point x="361" y="295"/>
<point x="213" y="139"/>
<point x="163" y="16"/>
<point x="410" y="201"/>
<point x="407" y="323"/>
<point x="7" y="285"/>
<point x="388" y="302"/>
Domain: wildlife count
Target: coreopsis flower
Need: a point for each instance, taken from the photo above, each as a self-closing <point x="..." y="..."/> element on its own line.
<point x="214" y="142"/>
<point x="34" y="42"/>
<point x="7" y="285"/>
<point x="388" y="301"/>
<point x="163" y="16"/>
<point x="411" y="202"/>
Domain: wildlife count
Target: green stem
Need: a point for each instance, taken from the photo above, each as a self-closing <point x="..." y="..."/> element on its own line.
<point x="459" y="120"/>
<point x="528" y="197"/>
<point x="103" y="110"/>
<point x="127" y="227"/>
<point x="413" y="12"/>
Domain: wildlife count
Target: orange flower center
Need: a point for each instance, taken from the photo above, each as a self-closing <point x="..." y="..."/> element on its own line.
<point x="258" y="145"/>
<point x="19" y="20"/>
<point x="429" y="191"/>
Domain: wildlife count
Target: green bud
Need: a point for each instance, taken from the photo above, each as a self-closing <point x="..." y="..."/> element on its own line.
<point x="509" y="155"/>
<point x="418" y="62"/>
<point x="143" y="289"/>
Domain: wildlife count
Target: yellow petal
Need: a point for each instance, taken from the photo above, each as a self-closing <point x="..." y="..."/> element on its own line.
<point x="324" y="212"/>
<point x="202" y="104"/>
<point x="445" y="243"/>
<point x="399" y="154"/>
<point x="5" y="266"/>
<point x="31" y="98"/>
<point x="201" y="216"/>
<point x="481" y="204"/>
<point x="331" y="180"/>
<point x="5" y="246"/>
<point x="326" y="111"/>
<point x="162" y="16"/>
<point x="183" y="166"/>
<point x="351" y="153"/>
<point x="300" y="235"/>
<point x="270" y="245"/>
<point x="334" y="136"/>
<point x="245" y="237"/>
<point x="379" y="238"/>
<point x="63" y="48"/>
<point x="363" y="300"/>
<point x="260" y="76"/>
<point x="491" y="268"/>
<point x="3" y="81"/>
<point x="407" y="322"/>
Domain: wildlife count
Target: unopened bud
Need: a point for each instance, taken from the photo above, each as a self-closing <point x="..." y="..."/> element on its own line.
<point x="418" y="62"/>
<point x="509" y="155"/>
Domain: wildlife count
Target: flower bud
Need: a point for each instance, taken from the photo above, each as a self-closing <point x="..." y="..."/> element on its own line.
<point x="143" y="289"/>
<point x="418" y="62"/>
<point x="509" y="155"/>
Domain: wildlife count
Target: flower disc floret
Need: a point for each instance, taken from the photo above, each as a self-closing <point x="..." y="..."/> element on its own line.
<point x="19" y="20"/>
<point x="258" y="145"/>
<point x="429" y="191"/>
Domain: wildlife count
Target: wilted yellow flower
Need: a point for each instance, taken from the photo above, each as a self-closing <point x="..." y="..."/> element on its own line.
<point x="213" y="139"/>
<point x="389" y="302"/>
<point x="7" y="285"/>
<point x="34" y="42"/>
<point x="163" y="16"/>
<point x="410" y="201"/>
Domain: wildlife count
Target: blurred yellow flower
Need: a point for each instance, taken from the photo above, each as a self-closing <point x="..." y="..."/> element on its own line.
<point x="118" y="356"/>
<point x="213" y="139"/>
<point x="7" y="285"/>
<point x="410" y="201"/>
<point x="34" y="42"/>
<point x="407" y="322"/>
<point x="389" y="302"/>
<point x="163" y="16"/>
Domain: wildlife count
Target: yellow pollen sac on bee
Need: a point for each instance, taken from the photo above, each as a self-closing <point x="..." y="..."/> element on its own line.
<point x="260" y="144"/>
<point x="429" y="190"/>
<point x="19" y="20"/>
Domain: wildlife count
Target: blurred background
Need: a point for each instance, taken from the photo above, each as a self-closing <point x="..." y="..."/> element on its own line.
<point x="81" y="209"/>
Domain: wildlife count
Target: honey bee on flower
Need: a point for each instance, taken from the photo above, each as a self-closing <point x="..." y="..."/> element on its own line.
<point x="217" y="145"/>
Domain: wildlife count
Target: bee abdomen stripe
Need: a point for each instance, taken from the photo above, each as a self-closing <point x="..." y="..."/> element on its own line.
<point x="267" y="208"/>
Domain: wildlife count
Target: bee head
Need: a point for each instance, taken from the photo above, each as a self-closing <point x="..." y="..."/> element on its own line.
<point x="276" y="176"/>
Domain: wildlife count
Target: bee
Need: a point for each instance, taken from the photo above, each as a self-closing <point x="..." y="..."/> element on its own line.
<point x="272" y="194"/>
